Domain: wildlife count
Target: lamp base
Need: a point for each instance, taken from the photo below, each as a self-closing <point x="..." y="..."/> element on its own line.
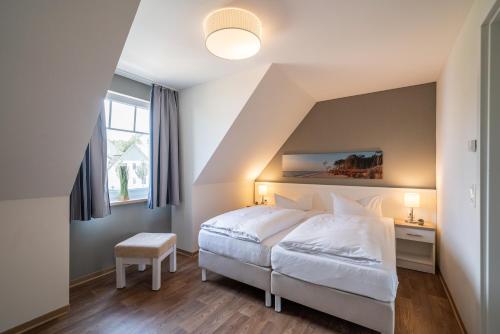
<point x="412" y="221"/>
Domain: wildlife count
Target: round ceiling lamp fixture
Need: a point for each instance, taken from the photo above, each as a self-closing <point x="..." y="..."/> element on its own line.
<point x="232" y="33"/>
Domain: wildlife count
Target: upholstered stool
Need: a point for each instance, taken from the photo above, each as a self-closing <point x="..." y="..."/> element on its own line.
<point x="145" y="249"/>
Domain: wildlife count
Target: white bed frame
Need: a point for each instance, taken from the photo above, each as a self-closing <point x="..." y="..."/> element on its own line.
<point x="368" y="312"/>
<point x="365" y="311"/>
<point x="362" y="310"/>
<point x="256" y="276"/>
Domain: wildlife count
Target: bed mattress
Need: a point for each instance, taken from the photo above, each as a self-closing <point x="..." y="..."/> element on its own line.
<point x="242" y="250"/>
<point x="378" y="281"/>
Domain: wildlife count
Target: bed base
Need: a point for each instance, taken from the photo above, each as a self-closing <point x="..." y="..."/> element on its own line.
<point x="361" y="310"/>
<point x="256" y="276"/>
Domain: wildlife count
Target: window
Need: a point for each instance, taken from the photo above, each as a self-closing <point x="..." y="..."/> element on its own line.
<point x="127" y="124"/>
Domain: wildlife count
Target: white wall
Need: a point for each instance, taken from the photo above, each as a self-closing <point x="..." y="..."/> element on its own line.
<point x="216" y="106"/>
<point x="229" y="130"/>
<point x="206" y="113"/>
<point x="270" y="115"/>
<point x="34" y="248"/>
<point x="458" y="102"/>
<point x="57" y="61"/>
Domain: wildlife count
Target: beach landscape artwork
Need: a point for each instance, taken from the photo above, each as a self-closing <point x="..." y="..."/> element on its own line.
<point x="359" y="165"/>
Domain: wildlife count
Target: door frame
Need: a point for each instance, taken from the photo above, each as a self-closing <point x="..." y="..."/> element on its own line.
<point x="490" y="183"/>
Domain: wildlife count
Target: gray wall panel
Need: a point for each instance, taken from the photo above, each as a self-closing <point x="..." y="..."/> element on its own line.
<point x="401" y="122"/>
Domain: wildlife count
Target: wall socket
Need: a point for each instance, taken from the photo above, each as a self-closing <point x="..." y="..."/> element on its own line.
<point x="472" y="145"/>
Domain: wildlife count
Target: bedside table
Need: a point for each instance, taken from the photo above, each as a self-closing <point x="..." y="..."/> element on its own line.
<point x="415" y="246"/>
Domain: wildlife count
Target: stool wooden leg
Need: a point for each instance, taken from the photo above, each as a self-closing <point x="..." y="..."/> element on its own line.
<point x="141" y="267"/>
<point x="156" y="273"/>
<point x="173" y="260"/>
<point x="120" y="273"/>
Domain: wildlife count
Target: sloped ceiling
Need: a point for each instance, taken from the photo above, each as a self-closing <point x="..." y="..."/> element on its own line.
<point x="209" y="110"/>
<point x="272" y="112"/>
<point x="331" y="48"/>
<point x="206" y="113"/>
<point x="229" y="130"/>
<point x="57" y="61"/>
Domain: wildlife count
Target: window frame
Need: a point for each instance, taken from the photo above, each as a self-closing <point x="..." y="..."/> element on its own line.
<point x="136" y="103"/>
<point x="130" y="101"/>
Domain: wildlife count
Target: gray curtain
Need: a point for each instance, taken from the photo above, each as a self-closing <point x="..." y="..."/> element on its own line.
<point x="90" y="197"/>
<point x="164" y="121"/>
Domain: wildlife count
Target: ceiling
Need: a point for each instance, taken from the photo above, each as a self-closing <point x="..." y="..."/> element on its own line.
<point x="330" y="48"/>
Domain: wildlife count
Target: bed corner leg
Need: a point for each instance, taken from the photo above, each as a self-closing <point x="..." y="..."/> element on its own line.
<point x="277" y="303"/>
<point x="203" y="274"/>
<point x="269" y="301"/>
<point x="390" y="330"/>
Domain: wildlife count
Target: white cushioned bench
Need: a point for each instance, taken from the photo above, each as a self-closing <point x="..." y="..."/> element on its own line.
<point x="145" y="249"/>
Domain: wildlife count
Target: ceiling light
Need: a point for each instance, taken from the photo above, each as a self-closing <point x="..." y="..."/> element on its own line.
<point x="232" y="33"/>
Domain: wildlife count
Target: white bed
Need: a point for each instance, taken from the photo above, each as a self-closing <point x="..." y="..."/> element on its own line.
<point x="319" y="266"/>
<point x="378" y="281"/>
<point x="352" y="292"/>
<point x="364" y="295"/>
<point x="243" y="260"/>
<point x="258" y="254"/>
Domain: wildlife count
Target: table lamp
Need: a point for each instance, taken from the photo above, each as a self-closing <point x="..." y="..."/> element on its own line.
<point x="262" y="191"/>
<point x="412" y="200"/>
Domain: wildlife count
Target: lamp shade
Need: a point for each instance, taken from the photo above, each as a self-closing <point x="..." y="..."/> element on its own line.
<point x="232" y="33"/>
<point x="412" y="200"/>
<point x="262" y="190"/>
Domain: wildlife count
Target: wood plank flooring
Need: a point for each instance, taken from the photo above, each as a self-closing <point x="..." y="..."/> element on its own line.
<point x="186" y="305"/>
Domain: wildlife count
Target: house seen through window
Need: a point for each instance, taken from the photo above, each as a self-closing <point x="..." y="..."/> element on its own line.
<point x="127" y="124"/>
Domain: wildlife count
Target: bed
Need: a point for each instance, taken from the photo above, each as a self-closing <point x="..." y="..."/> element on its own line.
<point x="359" y="293"/>
<point x="288" y="274"/>
<point x="343" y="295"/>
<point x="241" y="258"/>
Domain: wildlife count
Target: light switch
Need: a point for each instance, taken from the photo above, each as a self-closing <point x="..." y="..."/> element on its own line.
<point x="472" y="195"/>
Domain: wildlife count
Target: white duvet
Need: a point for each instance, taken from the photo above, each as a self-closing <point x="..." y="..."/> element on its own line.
<point x="255" y="223"/>
<point x="356" y="239"/>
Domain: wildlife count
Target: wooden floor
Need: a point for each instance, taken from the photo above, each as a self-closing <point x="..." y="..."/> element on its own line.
<point x="186" y="305"/>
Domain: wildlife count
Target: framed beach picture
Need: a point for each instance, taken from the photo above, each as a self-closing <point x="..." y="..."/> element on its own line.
<point x="359" y="165"/>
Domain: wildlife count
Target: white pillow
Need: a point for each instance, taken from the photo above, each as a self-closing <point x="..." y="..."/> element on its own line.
<point x="302" y="203"/>
<point x="368" y="206"/>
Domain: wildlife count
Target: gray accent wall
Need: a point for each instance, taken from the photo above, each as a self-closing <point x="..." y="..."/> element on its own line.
<point x="92" y="242"/>
<point x="130" y="87"/>
<point x="400" y="122"/>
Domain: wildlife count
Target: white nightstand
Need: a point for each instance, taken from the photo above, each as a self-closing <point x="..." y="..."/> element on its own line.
<point x="415" y="246"/>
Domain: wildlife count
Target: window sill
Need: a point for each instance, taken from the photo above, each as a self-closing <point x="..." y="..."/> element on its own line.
<point x="130" y="201"/>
